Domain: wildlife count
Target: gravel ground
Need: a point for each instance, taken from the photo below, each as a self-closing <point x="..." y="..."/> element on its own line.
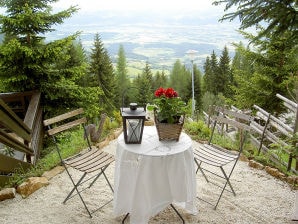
<point x="260" y="199"/>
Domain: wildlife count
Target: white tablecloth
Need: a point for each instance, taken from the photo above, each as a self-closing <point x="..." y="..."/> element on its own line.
<point x="152" y="175"/>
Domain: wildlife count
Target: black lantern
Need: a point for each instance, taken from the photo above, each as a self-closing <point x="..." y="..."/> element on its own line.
<point x="133" y="119"/>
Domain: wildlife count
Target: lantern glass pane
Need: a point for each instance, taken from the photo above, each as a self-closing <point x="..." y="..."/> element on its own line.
<point x="134" y="128"/>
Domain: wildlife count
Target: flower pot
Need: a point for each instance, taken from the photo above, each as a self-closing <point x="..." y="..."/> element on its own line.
<point x="168" y="131"/>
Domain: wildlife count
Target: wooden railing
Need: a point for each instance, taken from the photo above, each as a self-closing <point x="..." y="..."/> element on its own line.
<point x="269" y="129"/>
<point x="21" y="130"/>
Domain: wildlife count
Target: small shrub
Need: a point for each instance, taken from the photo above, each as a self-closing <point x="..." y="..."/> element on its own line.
<point x="197" y="129"/>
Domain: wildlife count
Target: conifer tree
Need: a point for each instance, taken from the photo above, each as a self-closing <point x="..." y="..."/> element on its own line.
<point x="211" y="78"/>
<point x="122" y="79"/>
<point x="279" y="17"/>
<point x="144" y="84"/>
<point x="273" y="64"/>
<point x="27" y="62"/>
<point x="178" y="79"/>
<point x="225" y="75"/>
<point x="207" y="75"/>
<point x="102" y="73"/>
<point x="160" y="80"/>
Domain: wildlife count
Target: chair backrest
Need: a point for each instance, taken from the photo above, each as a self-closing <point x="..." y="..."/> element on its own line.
<point x="235" y="119"/>
<point x="65" y="122"/>
<point x="55" y="121"/>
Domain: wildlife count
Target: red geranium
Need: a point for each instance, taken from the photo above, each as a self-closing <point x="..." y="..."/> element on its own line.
<point x="159" y="92"/>
<point x="169" y="92"/>
<point x="168" y="105"/>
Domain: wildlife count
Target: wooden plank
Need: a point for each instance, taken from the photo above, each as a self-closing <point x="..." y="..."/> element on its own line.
<point x="66" y="126"/>
<point x="275" y="121"/>
<point x="32" y="110"/>
<point x="234" y="114"/>
<point x="275" y="125"/>
<point x="37" y="136"/>
<point x="12" y="142"/>
<point x="10" y="165"/>
<point x="233" y="123"/>
<point x="11" y="121"/>
<point x="15" y="96"/>
<point x="292" y="105"/>
<point x="289" y="106"/>
<point x="63" y="117"/>
<point x="256" y="127"/>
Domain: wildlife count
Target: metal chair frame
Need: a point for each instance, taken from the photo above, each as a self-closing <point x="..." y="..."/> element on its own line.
<point x="87" y="161"/>
<point x="216" y="156"/>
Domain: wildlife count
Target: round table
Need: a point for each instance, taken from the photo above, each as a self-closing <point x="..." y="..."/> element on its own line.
<point x="153" y="175"/>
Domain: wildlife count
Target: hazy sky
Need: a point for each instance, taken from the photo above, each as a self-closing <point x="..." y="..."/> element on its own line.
<point x="139" y="5"/>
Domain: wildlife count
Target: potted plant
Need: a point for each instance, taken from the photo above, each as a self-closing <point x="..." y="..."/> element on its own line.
<point x="169" y="111"/>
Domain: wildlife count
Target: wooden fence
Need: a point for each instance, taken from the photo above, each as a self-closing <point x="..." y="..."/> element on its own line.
<point x="21" y="131"/>
<point x="269" y="130"/>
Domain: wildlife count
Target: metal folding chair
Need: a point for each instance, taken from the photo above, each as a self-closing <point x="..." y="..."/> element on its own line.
<point x="92" y="160"/>
<point x="208" y="157"/>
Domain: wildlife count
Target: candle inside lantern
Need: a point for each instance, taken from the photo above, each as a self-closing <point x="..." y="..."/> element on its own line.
<point x="134" y="130"/>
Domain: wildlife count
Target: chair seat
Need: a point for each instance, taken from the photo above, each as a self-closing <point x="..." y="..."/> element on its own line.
<point x="90" y="160"/>
<point x="214" y="155"/>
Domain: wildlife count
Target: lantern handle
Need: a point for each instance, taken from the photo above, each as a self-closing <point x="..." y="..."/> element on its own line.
<point x="124" y="94"/>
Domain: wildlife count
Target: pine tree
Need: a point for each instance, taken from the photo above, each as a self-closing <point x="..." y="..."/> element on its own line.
<point x="101" y="70"/>
<point x="279" y="17"/>
<point x="225" y="75"/>
<point x="144" y="84"/>
<point x="122" y="80"/>
<point x="211" y="78"/>
<point x="269" y="72"/>
<point x="178" y="78"/>
<point x="207" y="75"/>
<point x="160" y="80"/>
<point x="27" y="62"/>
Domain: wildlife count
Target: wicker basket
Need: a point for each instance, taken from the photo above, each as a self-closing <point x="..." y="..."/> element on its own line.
<point x="169" y="131"/>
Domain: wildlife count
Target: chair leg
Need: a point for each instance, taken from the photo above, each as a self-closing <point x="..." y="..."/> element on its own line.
<point x="178" y="213"/>
<point x="228" y="180"/>
<point x="123" y="220"/>
<point x="78" y="192"/>
<point x="199" y="168"/>
<point x="102" y="170"/>
<point x="223" y="189"/>
<point x="104" y="174"/>
<point x="75" y="186"/>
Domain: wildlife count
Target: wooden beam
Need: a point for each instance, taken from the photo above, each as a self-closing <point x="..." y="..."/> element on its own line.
<point x="12" y="142"/>
<point x="289" y="103"/>
<point x="12" y="122"/>
<point x="10" y="165"/>
<point x="32" y="110"/>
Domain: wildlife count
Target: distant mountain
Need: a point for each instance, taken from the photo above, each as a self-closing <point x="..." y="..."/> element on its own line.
<point x="157" y="38"/>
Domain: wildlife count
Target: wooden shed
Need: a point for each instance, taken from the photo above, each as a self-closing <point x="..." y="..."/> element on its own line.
<point x="21" y="132"/>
